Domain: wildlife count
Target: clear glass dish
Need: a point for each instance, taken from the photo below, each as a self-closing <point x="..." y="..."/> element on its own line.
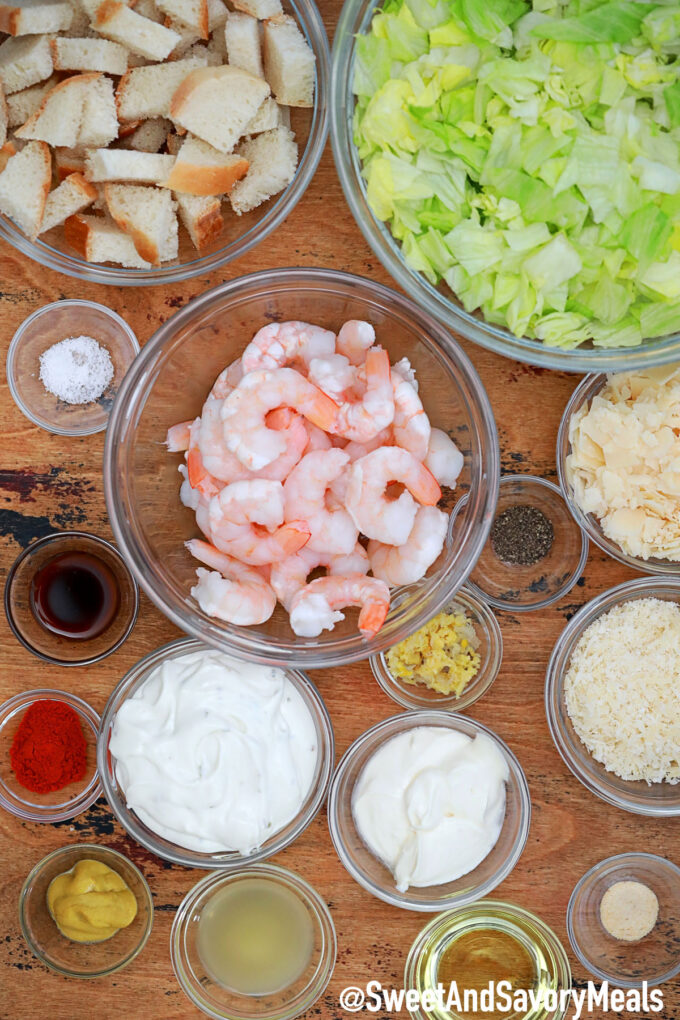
<point x="60" y="805"/>
<point x="550" y="961"/>
<point x="355" y="19"/>
<point x="241" y="233"/>
<point x="524" y="588"/>
<point x="371" y="873"/>
<point x="169" y="382"/>
<point x="488" y="631"/>
<point x="47" y="326"/>
<point x="583" y="394"/>
<point x="660" y="799"/>
<point x="652" y="959"/>
<point x="51" y="647"/>
<point x="157" y="844"/>
<point x="223" y="1003"/>
<point x="78" y="959"/>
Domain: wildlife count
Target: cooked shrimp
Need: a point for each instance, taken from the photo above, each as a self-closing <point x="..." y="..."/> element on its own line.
<point x="444" y="459"/>
<point x="227" y="380"/>
<point x="231" y="591"/>
<point x="354" y="339"/>
<point x="411" y="426"/>
<point x="246" y="521"/>
<point x="357" y="450"/>
<point x="375" y="515"/>
<point x="331" y="531"/>
<point x="282" y="343"/>
<point x="289" y="576"/>
<point x="244" y="412"/>
<point x="334" y="375"/>
<point x="406" y="371"/>
<point x="407" y="563"/>
<point x="224" y="465"/>
<point x="362" y="419"/>
<point x="178" y="437"/>
<point x="317" y="438"/>
<point x="316" y="607"/>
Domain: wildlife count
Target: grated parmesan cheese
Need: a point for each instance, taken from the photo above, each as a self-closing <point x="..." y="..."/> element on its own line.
<point x="622" y="690"/>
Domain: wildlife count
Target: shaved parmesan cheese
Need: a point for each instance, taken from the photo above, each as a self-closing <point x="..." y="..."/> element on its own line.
<point x="624" y="465"/>
<point x="622" y="690"/>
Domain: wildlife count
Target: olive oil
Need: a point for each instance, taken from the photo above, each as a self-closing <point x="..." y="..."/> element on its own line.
<point x="255" y="937"/>
<point x="475" y="947"/>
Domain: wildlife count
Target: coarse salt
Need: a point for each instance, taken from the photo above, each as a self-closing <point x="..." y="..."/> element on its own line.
<point x="77" y="370"/>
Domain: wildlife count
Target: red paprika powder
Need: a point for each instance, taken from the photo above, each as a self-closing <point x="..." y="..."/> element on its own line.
<point x="49" y="750"/>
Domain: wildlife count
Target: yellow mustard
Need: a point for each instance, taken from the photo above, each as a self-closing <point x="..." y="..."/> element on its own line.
<point x="91" y="902"/>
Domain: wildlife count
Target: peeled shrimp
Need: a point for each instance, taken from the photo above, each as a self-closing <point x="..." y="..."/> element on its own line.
<point x="362" y="419"/>
<point x="334" y="375"/>
<point x="245" y="409"/>
<point x="316" y="607"/>
<point x="354" y="340"/>
<point x="407" y="563"/>
<point x="444" y="459"/>
<point x="178" y="437"/>
<point x="224" y="465"/>
<point x="289" y="576"/>
<point x="331" y="531"/>
<point x="227" y="380"/>
<point x="375" y="515"/>
<point x="231" y="591"/>
<point x="317" y="438"/>
<point x="281" y="343"/>
<point x="357" y="450"/>
<point x="411" y="426"/>
<point x="246" y="521"/>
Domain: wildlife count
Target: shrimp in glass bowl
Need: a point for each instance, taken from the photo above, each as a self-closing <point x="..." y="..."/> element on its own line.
<point x="368" y="377"/>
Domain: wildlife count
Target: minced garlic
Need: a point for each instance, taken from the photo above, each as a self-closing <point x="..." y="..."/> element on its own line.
<point x="624" y="465"/>
<point x="442" y="655"/>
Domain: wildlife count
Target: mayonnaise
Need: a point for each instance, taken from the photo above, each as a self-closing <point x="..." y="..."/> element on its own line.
<point x="430" y="804"/>
<point x="213" y="753"/>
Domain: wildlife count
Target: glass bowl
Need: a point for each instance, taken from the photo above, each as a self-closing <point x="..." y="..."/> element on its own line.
<point x="652" y="959"/>
<point x="355" y="20"/>
<point x="551" y="963"/>
<point x="241" y="233"/>
<point x="490" y="649"/>
<point x="583" y="394"/>
<point x="77" y="959"/>
<point x="659" y="799"/>
<point x="66" y="651"/>
<point x="47" y="326"/>
<point x="168" y="383"/>
<point x="222" y="1003"/>
<point x="519" y="588"/>
<point x="371" y="873"/>
<point x="157" y="844"/>
<point x="60" y="805"/>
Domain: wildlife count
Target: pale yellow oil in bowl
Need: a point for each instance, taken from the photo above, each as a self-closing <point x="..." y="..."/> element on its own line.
<point x="255" y="937"/>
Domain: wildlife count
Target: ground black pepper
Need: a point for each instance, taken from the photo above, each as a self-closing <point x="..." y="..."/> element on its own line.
<point x="522" y="535"/>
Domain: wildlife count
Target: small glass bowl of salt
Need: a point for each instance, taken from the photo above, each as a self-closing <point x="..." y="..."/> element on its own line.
<point x="66" y="363"/>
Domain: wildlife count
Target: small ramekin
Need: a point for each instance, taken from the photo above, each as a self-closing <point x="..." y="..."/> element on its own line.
<point x="60" y="805"/>
<point x="50" y="647"/>
<point x="221" y="1003"/>
<point x="520" y="589"/>
<point x="539" y="941"/>
<point x="371" y="873"/>
<point x="653" y="959"/>
<point x="47" y="326"/>
<point x="416" y="696"/>
<point x="661" y="799"/>
<point x="583" y="394"/>
<point x="225" y="860"/>
<point x="78" y="959"/>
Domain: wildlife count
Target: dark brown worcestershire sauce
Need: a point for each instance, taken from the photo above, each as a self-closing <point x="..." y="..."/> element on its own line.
<point x="75" y="595"/>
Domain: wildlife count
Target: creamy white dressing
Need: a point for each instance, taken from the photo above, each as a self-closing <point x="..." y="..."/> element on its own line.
<point x="430" y="804"/>
<point x="215" y="754"/>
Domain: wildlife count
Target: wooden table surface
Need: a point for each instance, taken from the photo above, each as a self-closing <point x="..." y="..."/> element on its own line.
<point x="48" y="482"/>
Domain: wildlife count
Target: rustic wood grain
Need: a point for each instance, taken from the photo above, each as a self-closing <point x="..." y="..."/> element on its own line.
<point x="48" y="482"/>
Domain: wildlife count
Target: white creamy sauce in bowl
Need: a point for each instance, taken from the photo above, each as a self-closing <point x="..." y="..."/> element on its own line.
<point x="215" y="754"/>
<point x="430" y="804"/>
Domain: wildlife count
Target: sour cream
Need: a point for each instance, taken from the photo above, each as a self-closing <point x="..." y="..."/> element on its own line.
<point x="430" y="804"/>
<point x="215" y="754"/>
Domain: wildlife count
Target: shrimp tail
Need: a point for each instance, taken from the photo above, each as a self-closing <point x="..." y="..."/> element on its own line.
<point x="293" y="536"/>
<point x="178" y="437"/>
<point x="371" y="618"/>
<point x="199" y="477"/>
